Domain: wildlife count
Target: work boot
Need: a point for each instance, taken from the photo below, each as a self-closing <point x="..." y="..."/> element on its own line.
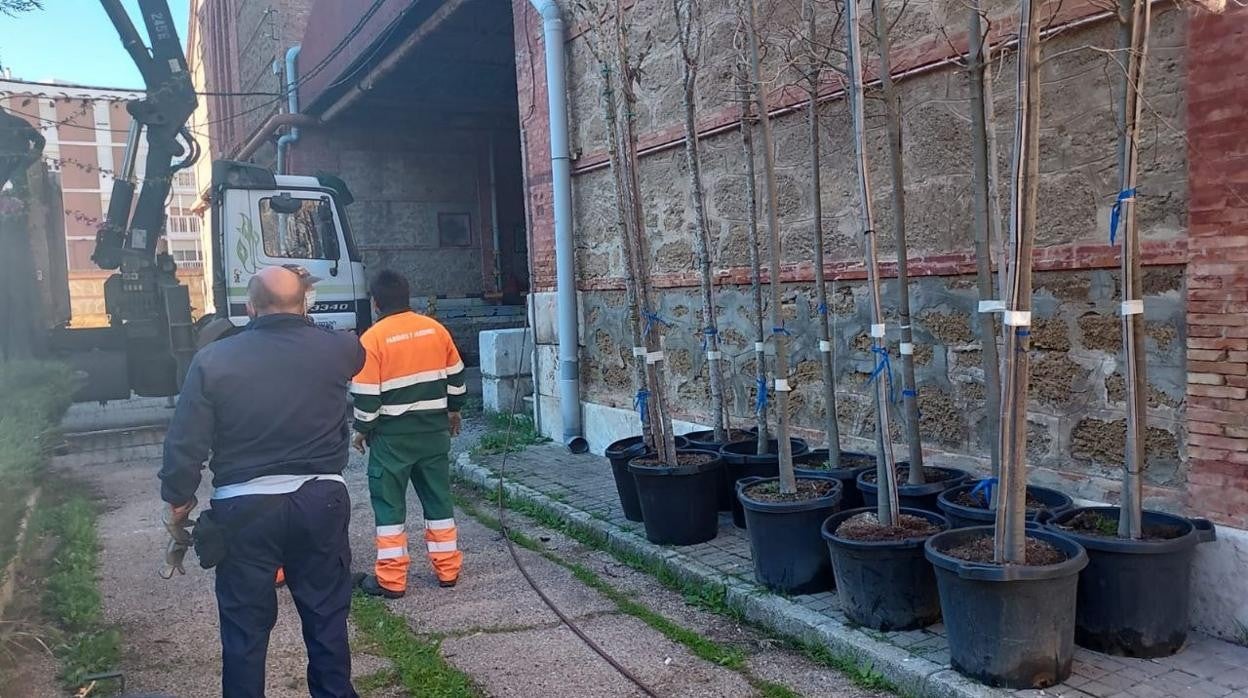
<point x="367" y="583"/>
<point x="448" y="583"/>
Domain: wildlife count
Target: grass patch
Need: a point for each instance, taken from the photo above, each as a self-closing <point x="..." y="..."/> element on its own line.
<point x="863" y="676"/>
<point x="87" y="644"/>
<point x="418" y="664"/>
<point x="508" y="433"/>
<point x="36" y="395"/>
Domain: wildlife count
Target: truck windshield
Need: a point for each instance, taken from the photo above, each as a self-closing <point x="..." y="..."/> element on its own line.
<point x="296" y="235"/>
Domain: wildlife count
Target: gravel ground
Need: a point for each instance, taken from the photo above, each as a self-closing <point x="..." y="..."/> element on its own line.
<point x="493" y="626"/>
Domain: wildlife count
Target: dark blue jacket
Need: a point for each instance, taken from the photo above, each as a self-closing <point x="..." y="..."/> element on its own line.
<point x="271" y="400"/>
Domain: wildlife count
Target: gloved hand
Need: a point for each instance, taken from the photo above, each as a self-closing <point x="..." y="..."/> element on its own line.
<point x="178" y="523"/>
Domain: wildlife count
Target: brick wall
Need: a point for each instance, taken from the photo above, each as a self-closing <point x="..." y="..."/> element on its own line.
<point x="1217" y="271"/>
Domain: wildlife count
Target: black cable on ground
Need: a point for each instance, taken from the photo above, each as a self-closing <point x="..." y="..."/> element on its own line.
<point x="515" y="556"/>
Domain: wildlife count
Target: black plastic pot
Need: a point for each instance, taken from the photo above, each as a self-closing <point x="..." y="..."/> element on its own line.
<point x="789" y="555"/>
<point x="741" y="460"/>
<point x="619" y="454"/>
<point x="885" y="585"/>
<point x="705" y="440"/>
<point x="1134" y="595"/>
<point x="913" y="496"/>
<point x="962" y="516"/>
<point x="678" y="503"/>
<point x="1008" y="626"/>
<point x="853" y="463"/>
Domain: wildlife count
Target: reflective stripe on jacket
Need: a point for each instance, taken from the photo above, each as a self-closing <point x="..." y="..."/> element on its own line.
<point x="412" y="376"/>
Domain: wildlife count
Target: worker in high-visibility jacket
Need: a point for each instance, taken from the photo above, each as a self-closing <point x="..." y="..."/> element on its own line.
<point x="407" y="402"/>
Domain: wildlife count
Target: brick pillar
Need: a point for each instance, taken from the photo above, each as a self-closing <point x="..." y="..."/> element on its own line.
<point x="1217" y="271"/>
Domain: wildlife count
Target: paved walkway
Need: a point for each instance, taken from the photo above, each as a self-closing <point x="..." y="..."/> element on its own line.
<point x="492" y="626"/>
<point x="581" y="489"/>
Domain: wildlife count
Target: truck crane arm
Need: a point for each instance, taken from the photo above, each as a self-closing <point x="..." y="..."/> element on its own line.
<point x="128" y="240"/>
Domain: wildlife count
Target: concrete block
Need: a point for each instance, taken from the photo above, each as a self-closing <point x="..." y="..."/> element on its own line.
<point x="506" y="394"/>
<point x="502" y="352"/>
<point x="546" y="362"/>
<point x="543" y="311"/>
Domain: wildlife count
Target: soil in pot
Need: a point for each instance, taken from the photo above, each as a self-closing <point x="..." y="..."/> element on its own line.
<point x="816" y="463"/>
<point x="1010" y="626"/>
<point x="706" y="439"/>
<point x="867" y="527"/>
<point x="742" y="460"/>
<point x="883" y="580"/>
<point x="1122" y="608"/>
<point x="923" y="496"/>
<point x="788" y="552"/>
<point x="678" y="503"/>
<point x="967" y="507"/>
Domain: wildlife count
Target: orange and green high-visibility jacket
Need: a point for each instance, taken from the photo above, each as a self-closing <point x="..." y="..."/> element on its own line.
<point x="412" y="377"/>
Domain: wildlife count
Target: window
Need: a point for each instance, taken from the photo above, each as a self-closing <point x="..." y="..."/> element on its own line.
<point x="298" y="228"/>
<point x="184" y="179"/>
<point x="182" y="223"/>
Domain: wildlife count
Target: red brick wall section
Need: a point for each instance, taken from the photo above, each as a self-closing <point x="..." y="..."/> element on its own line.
<point x="1217" y="272"/>
<point x="535" y="132"/>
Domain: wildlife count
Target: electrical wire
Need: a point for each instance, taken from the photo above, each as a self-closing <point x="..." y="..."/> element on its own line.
<point x="515" y="555"/>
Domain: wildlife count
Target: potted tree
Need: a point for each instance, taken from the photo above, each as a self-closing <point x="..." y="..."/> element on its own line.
<point x="974" y="504"/>
<point x="882" y="578"/>
<point x="1121" y="608"/>
<point x="676" y="489"/>
<point x="783" y="512"/>
<point x="1007" y="592"/>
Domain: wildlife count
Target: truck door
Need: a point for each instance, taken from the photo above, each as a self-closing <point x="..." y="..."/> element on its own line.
<point x="290" y="227"/>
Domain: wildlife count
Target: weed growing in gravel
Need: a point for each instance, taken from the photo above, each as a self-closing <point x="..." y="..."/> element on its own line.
<point x="418" y="662"/>
<point x="508" y="433"/>
<point x="71" y="598"/>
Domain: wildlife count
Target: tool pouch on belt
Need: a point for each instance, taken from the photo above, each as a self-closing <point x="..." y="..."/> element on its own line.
<point x="210" y="540"/>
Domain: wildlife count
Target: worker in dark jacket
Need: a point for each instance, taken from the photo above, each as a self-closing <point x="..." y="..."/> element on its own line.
<point x="270" y="405"/>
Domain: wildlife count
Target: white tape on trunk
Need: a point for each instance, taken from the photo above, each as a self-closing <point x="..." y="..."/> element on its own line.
<point x="654" y="357"/>
<point x="1135" y="307"/>
<point x="1018" y="318"/>
<point x="992" y="306"/>
<point x="713" y="355"/>
<point x="782" y="385"/>
<point x="877" y="331"/>
<point x="760" y="346"/>
<point x="907" y="348"/>
<point x="639" y="351"/>
<point x="825" y="346"/>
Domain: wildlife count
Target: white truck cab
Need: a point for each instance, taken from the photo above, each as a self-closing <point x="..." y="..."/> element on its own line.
<point x="260" y="219"/>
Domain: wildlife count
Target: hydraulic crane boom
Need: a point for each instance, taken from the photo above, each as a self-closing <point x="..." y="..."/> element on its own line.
<point x="128" y="241"/>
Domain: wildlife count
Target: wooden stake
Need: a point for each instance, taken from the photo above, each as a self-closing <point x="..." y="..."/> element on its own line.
<point x="756" y="270"/>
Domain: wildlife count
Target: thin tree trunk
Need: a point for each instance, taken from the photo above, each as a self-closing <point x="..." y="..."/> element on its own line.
<point x="756" y="269"/>
<point x="655" y="363"/>
<point x="892" y="117"/>
<point x="1133" y="38"/>
<point x="983" y="236"/>
<point x="1010" y="531"/>
<point x="831" y="423"/>
<point x="887" y="509"/>
<point x="688" y="35"/>
<point x="994" y="177"/>
<point x="630" y="262"/>
<point x="788" y="483"/>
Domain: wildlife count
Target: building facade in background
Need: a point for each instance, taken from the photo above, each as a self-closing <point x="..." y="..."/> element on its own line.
<point x="86" y="129"/>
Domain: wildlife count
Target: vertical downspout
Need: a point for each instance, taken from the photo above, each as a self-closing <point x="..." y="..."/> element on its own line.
<point x="292" y="107"/>
<point x="498" y="235"/>
<point x="565" y="273"/>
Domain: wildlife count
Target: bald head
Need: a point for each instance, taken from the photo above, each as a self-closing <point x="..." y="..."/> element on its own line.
<point x="276" y="290"/>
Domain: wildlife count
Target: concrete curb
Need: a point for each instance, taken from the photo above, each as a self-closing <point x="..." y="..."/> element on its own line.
<point x="8" y="576"/>
<point x="913" y="675"/>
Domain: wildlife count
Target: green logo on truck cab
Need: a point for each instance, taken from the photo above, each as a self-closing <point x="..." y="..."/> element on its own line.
<point x="248" y="241"/>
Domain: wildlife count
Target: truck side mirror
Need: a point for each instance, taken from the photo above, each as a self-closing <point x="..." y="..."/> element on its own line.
<point x="285" y="203"/>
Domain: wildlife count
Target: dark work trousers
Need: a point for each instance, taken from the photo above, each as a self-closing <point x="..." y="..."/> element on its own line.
<point x="306" y="533"/>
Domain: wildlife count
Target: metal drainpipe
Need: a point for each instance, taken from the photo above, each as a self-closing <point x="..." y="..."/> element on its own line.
<point x="565" y="273"/>
<point x="292" y="107"/>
